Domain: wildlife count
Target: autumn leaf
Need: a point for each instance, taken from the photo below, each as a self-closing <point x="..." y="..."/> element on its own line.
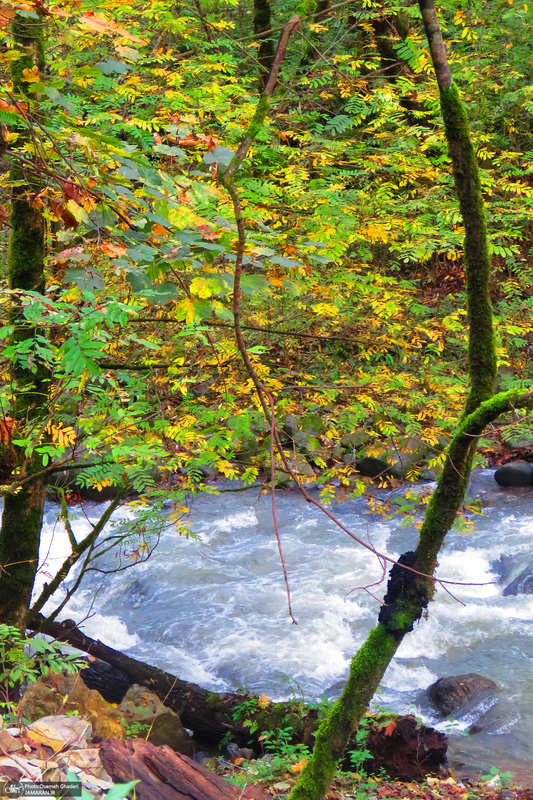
<point x="299" y="766"/>
<point x="95" y="22"/>
<point x="263" y="701"/>
<point x="389" y="729"/>
<point x="114" y="250"/>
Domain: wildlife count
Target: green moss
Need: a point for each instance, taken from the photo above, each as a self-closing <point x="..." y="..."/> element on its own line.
<point x="482" y="362"/>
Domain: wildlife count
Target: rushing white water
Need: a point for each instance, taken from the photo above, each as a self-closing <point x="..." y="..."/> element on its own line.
<point x="214" y="611"/>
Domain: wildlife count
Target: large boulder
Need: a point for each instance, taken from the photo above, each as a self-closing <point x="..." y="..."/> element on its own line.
<point x="458" y="694"/>
<point x="59" y="693"/>
<point x="515" y="473"/>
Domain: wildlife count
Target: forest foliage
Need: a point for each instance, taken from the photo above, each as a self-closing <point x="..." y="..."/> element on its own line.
<point x="353" y="294"/>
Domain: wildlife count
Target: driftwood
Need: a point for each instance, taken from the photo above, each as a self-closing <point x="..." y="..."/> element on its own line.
<point x="166" y="775"/>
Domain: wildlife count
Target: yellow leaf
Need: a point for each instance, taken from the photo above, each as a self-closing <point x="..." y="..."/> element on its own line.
<point x="31" y="75"/>
<point x="263" y="701"/>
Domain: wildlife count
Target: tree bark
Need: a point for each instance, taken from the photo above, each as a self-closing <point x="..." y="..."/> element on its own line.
<point x="262" y="28"/>
<point x="23" y="511"/>
<point x="408" y="593"/>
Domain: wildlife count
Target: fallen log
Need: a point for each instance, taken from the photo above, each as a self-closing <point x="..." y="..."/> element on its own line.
<point x="166" y="775"/>
<point x="209" y="715"/>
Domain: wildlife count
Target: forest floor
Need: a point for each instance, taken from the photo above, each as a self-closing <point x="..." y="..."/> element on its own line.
<point x="348" y="786"/>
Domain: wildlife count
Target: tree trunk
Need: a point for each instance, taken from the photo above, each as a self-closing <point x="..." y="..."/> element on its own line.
<point x="408" y="593"/>
<point x="22" y="517"/>
<point x="262" y="27"/>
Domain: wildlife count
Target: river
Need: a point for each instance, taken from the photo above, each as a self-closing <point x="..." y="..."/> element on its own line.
<point x="214" y="611"/>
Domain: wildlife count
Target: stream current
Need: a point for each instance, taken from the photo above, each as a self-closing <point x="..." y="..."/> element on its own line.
<point x="214" y="611"/>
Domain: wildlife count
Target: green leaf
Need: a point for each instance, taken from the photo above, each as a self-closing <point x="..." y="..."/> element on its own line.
<point x="110" y="66"/>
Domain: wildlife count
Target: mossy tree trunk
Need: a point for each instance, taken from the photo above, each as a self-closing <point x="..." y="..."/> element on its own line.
<point x="262" y="28"/>
<point x="23" y="511"/>
<point x="408" y="593"/>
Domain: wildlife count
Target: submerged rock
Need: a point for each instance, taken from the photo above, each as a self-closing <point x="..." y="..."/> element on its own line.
<point x="515" y="473"/>
<point x="522" y="584"/>
<point x="457" y="694"/>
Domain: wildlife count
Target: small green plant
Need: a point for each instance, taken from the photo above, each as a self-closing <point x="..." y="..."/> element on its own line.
<point x="497" y="777"/>
<point x="135" y="729"/>
<point x="23" y="660"/>
<point x="245" y="711"/>
<point x="360" y="754"/>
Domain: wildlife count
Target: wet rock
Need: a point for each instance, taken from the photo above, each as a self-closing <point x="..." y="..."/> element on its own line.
<point x="143" y="706"/>
<point x="522" y="584"/>
<point x="60" y="732"/>
<point x="516" y="473"/>
<point x="59" y="693"/>
<point x="462" y="693"/>
<point x="371" y="467"/>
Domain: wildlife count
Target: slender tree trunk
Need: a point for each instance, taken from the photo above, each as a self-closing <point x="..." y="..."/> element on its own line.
<point x="22" y="518"/>
<point x="262" y="26"/>
<point x="408" y="593"/>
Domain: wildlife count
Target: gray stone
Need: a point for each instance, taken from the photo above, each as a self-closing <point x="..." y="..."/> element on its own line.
<point x="143" y="706"/>
<point x="520" y="442"/>
<point x="208" y="472"/>
<point x="522" y="584"/>
<point x="290" y="426"/>
<point x="458" y="693"/>
<point x="516" y="473"/>
<point x="371" y="467"/>
<point x="355" y="440"/>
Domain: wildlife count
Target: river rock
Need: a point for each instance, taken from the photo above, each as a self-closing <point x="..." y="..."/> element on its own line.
<point x="458" y="693"/>
<point x="165" y="727"/>
<point x="515" y="473"/>
<point x="522" y="584"/>
<point x="372" y="467"/>
<point x="60" y="732"/>
<point x="58" y="693"/>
